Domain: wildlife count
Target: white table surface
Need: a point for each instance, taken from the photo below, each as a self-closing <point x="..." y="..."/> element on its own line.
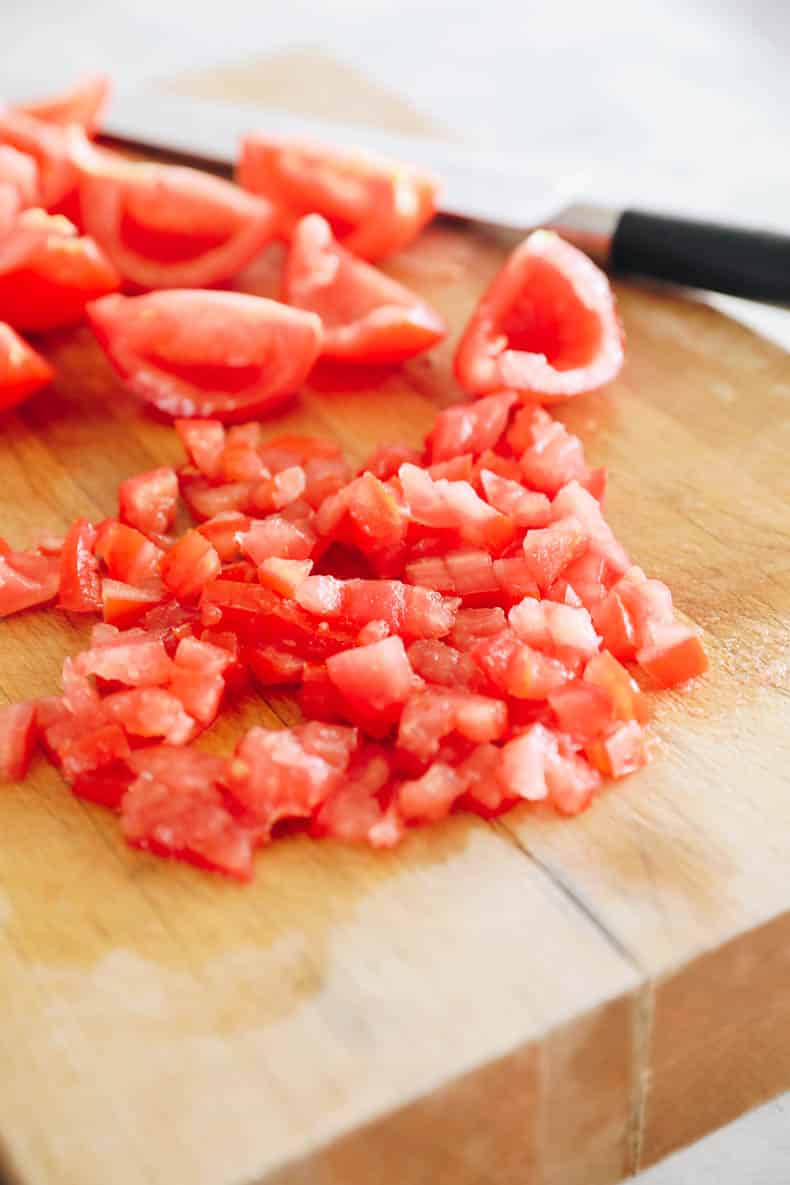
<point x="674" y="103"/>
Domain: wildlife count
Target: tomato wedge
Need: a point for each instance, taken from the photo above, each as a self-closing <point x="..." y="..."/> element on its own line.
<point x="82" y="104"/>
<point x="367" y="316"/>
<point x="547" y="326"/>
<point x="48" y="145"/>
<point x="374" y="206"/>
<point x="22" y="370"/>
<point x="164" y="226"/>
<point x="202" y="353"/>
<point x="47" y="278"/>
<point x="18" y="185"/>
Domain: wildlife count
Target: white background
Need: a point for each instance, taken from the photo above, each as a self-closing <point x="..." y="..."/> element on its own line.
<point x="675" y="103"/>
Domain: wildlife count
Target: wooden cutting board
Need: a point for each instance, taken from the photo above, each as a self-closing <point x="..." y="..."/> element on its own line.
<point x="533" y="1002"/>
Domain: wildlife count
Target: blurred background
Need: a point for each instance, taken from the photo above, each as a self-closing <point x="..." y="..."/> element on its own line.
<point x="678" y="104"/>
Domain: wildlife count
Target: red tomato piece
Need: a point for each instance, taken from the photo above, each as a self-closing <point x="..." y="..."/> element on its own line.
<point x="125" y="604"/>
<point x="105" y="785"/>
<point x="572" y="783"/>
<point x="555" y="458"/>
<point x="284" y="576"/>
<point x="547" y="326"/>
<point x="378" y="675"/>
<point x="517" y="669"/>
<point x="22" y="370"/>
<point x="272" y="666"/>
<point x="82" y="104"/>
<point x="276" y="536"/>
<point x="224" y="532"/>
<point x="407" y="610"/>
<point x="549" y="550"/>
<point x="148" y="501"/>
<point x="17" y="740"/>
<point x="525" y="761"/>
<point x="80" y="586"/>
<point x="48" y="145"/>
<point x="128" y="555"/>
<point x="471" y="625"/>
<point x="150" y="712"/>
<point x="275" y="493"/>
<point x="164" y="226"/>
<point x="621" y="751"/>
<point x="526" y="508"/>
<point x="254" y="613"/>
<point x="367" y="316"/>
<point x="200" y="353"/>
<point x="436" y="662"/>
<point x="515" y="577"/>
<point x="353" y="812"/>
<point x="564" y="630"/>
<point x="470" y="427"/>
<point x="46" y="282"/>
<point x="135" y="658"/>
<point x="385" y="462"/>
<point x="176" y="808"/>
<point x="583" y="710"/>
<point x="674" y="655"/>
<point x="190" y="565"/>
<point x="374" y="207"/>
<point x="430" y="797"/>
<point x="204" y="441"/>
<point x="628" y="703"/>
<point x="27" y="580"/>
<point x="431" y="715"/>
<point x="573" y="501"/>
<point x="288" y="773"/>
<point x="454" y="504"/>
<point x="207" y="501"/>
<point x="18" y="185"/>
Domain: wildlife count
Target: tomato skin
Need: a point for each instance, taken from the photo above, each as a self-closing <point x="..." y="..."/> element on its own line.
<point x="82" y="104"/>
<point x="375" y="207"/>
<point x="546" y="326"/>
<point x="148" y="500"/>
<point x="17" y="740"/>
<point x="53" y="275"/>
<point x="192" y="352"/>
<point x="80" y="586"/>
<point x="165" y="226"/>
<point x="367" y="316"/>
<point x="22" y="370"/>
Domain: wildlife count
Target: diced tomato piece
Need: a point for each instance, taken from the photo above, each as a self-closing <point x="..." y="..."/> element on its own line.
<point x="254" y="613"/>
<point x="472" y="573"/>
<point x="553" y="460"/>
<point x="17" y="740"/>
<point x="470" y="427"/>
<point x="484" y="790"/>
<point x="603" y="670"/>
<point x="454" y="504"/>
<point x="575" y="502"/>
<point x="281" y="452"/>
<point x="373" y="631"/>
<point x="192" y="352"/>
<point x="367" y="316"/>
<point x="324" y="476"/>
<point x="385" y="462"/>
<point x="27" y="580"/>
<point x="272" y="666"/>
<point x="190" y="565"/>
<point x="518" y="669"/>
<point x="47" y="282"/>
<point x="288" y="773"/>
<point x="583" y="710"/>
<point x="525" y="761"/>
<point x="105" y="785"/>
<point x="283" y="576"/>
<point x="18" y="186"/>
<point x="631" y="609"/>
<point x="134" y="658"/>
<point x="431" y="571"/>
<point x="200" y="693"/>
<point x="80" y="586"/>
<point x="175" y="808"/>
<point x="48" y="145"/>
<point x="125" y="604"/>
<point x="375" y="207"/>
<point x="572" y="783"/>
<point x="433" y="714"/>
<point x="436" y="662"/>
<point x="408" y="610"/>
<point x="82" y="104"/>
<point x="473" y="624"/>
<point x="430" y="797"/>
<point x="280" y="491"/>
<point x="277" y="537"/>
<point x="546" y="326"/>
<point x="129" y="556"/>
<point x="22" y="370"/>
<point x="526" y="508"/>
<point x="223" y="532"/>
<point x="621" y="751"/>
<point x="674" y="655"/>
<point x="455" y="469"/>
<point x="207" y="501"/>
<point x="148" y="500"/>
<point x="204" y="442"/>
<point x="559" y="629"/>
<point x="378" y="675"/>
<point x="353" y="809"/>
<point x="242" y="463"/>
<point x="80" y="746"/>
<point x="586" y="575"/>
<point x="150" y="712"/>
<point x="549" y="550"/>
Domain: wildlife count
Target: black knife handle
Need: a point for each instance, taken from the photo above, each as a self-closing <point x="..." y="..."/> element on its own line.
<point x="754" y="264"/>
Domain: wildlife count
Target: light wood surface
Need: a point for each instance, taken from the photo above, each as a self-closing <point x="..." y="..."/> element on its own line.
<point x="534" y="1001"/>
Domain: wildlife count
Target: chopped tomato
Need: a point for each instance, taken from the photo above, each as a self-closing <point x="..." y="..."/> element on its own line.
<point x="433" y="714"/>
<point x="276" y="536"/>
<point x="128" y="555"/>
<point x="204" y="441"/>
<point x="621" y="751"/>
<point x="254" y="613"/>
<point x="26" y="580"/>
<point x="124" y="604"/>
<point x="454" y="504"/>
<point x="549" y="550"/>
<point x="430" y="797"/>
<point x="48" y="145"/>
<point x="224" y="532"/>
<point x="148" y="500"/>
<point x="17" y="740"/>
<point x="163" y="226"/>
<point x="527" y="508"/>
<point x="674" y="655"/>
<point x="284" y="576"/>
<point x="546" y="327"/>
<point x="470" y="427"/>
<point x="374" y="207"/>
<point x="353" y="812"/>
<point x="573" y="501"/>
<point x="407" y="610"/>
<point x="83" y="104"/>
<point x="190" y="565"/>
<point x="18" y="185"/>
<point x="628" y="703"/>
<point x="22" y="370"/>
<point x="80" y="586"/>
<point x="388" y="458"/>
<point x="378" y="675"/>
<point x="48" y="281"/>
<point x="436" y="662"/>
<point x="150" y="712"/>
<point x="518" y="669"/>
<point x="200" y="353"/>
<point x="584" y="710"/>
<point x="367" y="316"/>
<point x="135" y="658"/>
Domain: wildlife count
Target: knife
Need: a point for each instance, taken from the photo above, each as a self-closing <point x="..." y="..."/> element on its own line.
<point x="739" y="261"/>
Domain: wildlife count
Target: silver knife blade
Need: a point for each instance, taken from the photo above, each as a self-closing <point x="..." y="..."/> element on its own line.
<point x="478" y="186"/>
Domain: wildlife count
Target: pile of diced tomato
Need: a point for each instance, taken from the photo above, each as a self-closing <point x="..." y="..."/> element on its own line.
<point x="458" y="621"/>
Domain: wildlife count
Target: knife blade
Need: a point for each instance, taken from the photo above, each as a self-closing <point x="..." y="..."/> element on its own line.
<point x="481" y="187"/>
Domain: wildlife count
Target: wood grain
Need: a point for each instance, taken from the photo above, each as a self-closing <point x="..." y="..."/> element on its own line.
<point x="537" y="1000"/>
